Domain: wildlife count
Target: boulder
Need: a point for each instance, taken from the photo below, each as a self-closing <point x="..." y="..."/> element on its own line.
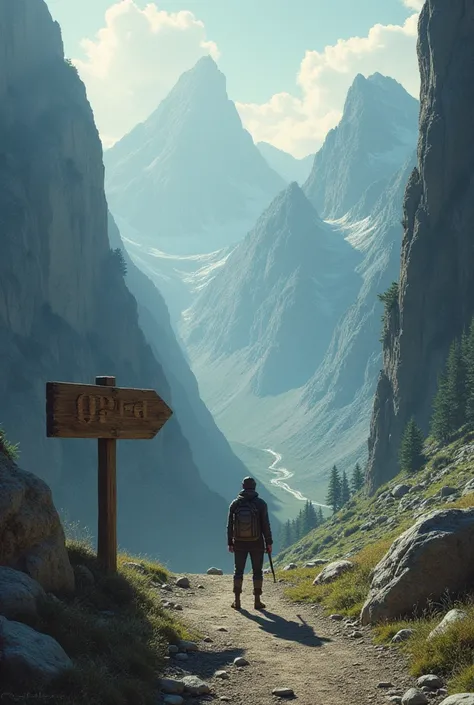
<point x="333" y="571"/>
<point x="29" y="659"/>
<point x="183" y="582"/>
<point x="414" y="697"/>
<point x="290" y="566"/>
<point x="450" y="618"/>
<point x="195" y="686"/>
<point x="215" y="571"/>
<point x="400" y="491"/>
<point x="240" y="661"/>
<point x="430" y="558"/>
<point x="171" y="686"/>
<point x="20" y="595"/>
<point x="430" y="681"/>
<point x="320" y="561"/>
<point x="31" y="535"/>
<point x="459" y="699"/>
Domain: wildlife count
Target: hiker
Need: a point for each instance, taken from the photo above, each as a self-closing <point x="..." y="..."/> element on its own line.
<point x="249" y="532"/>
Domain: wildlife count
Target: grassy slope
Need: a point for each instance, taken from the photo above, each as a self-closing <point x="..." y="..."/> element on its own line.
<point x="450" y="655"/>
<point x="117" y="655"/>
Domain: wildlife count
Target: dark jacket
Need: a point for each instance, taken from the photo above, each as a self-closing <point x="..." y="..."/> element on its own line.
<point x="264" y="523"/>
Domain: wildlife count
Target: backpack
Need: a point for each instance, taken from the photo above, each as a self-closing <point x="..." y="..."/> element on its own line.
<point x="247" y="521"/>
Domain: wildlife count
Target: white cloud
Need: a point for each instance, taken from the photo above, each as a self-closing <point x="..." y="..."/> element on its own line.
<point x="135" y="60"/>
<point x="414" y="4"/>
<point x="298" y="124"/>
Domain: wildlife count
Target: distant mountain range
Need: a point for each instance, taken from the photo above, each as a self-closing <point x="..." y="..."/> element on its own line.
<point x="289" y="167"/>
<point x="284" y="338"/>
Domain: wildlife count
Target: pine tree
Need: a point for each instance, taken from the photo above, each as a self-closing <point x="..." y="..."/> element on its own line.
<point x="320" y="516"/>
<point x="451" y="400"/>
<point x="411" y="448"/>
<point x="357" y="480"/>
<point x="286" y="541"/>
<point x="345" y="489"/>
<point x="469" y="358"/>
<point x="313" y="517"/>
<point x="334" y="495"/>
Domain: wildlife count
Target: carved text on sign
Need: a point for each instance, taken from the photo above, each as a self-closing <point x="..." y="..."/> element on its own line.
<point x="92" y="408"/>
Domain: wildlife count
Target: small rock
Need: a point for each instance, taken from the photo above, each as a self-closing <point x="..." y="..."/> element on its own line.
<point x="290" y="566"/>
<point x="208" y="640"/>
<point x="336" y="617"/>
<point x="222" y="629"/>
<point x="171" y="686"/>
<point x="430" y="681"/>
<point x="200" y="587"/>
<point x="215" y="571"/>
<point x="402" y="635"/>
<point x="173" y="700"/>
<point x="178" y="608"/>
<point x="459" y="699"/>
<point x="172" y="649"/>
<point x="224" y="699"/>
<point x="450" y="618"/>
<point x="414" y="697"/>
<point x="181" y="657"/>
<point x="356" y="635"/>
<point x="283" y="692"/>
<point x="240" y="661"/>
<point x="395" y="699"/>
<point x="333" y="571"/>
<point x="195" y="686"/>
<point x="221" y="674"/>
<point x="167" y="588"/>
<point x="447" y="491"/>
<point x="443" y="691"/>
<point x="183" y="582"/>
<point x="385" y="684"/>
<point x="188" y="646"/>
<point x="400" y="491"/>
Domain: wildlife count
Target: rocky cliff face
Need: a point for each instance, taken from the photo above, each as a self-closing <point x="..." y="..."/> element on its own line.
<point x="65" y="311"/>
<point x="436" y="291"/>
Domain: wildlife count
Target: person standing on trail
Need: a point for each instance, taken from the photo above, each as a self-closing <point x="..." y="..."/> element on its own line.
<point x="249" y="532"/>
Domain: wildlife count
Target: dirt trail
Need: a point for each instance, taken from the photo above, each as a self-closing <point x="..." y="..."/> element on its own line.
<point x="287" y="645"/>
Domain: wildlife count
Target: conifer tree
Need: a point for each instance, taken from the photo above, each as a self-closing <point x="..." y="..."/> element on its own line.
<point x="320" y="516"/>
<point x="313" y="517"/>
<point x="441" y="426"/>
<point x="357" y="480"/>
<point x="345" y="489"/>
<point x="451" y="400"/>
<point x="334" y="495"/>
<point x="411" y="448"/>
<point x="469" y="358"/>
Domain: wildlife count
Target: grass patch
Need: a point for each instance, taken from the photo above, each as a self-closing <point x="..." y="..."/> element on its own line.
<point x="9" y="449"/>
<point x="348" y="593"/>
<point x="114" y="630"/>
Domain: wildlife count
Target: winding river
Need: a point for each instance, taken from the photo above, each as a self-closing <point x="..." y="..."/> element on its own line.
<point x="282" y="474"/>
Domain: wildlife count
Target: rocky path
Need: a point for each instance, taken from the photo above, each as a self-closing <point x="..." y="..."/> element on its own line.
<point x="286" y="646"/>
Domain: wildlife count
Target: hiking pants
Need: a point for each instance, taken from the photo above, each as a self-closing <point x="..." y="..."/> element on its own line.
<point x="240" y="558"/>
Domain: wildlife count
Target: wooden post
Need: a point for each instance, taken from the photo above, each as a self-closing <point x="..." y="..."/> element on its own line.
<point x="107" y="486"/>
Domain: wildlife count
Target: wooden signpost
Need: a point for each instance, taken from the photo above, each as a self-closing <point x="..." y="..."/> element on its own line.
<point x="108" y="413"/>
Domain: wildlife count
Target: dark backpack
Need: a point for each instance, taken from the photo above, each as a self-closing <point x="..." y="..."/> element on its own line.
<point x="247" y="521"/>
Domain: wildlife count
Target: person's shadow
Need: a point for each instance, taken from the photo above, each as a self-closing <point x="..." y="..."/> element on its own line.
<point x="272" y="623"/>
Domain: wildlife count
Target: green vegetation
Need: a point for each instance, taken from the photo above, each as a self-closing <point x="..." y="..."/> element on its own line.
<point x="7" y="448"/>
<point x="357" y="480"/>
<point x="411" y="448"/>
<point x="347" y="594"/>
<point x="307" y="520"/>
<point x="115" y="631"/>
<point x="334" y="495"/>
<point x="390" y="301"/>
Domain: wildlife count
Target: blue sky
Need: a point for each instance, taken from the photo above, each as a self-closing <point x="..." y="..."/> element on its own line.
<point x="259" y="44"/>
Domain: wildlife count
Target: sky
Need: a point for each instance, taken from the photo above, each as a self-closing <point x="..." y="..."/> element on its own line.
<point x="288" y="63"/>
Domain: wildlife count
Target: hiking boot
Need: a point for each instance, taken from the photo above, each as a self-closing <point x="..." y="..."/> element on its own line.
<point x="236" y="603"/>
<point x="258" y="603"/>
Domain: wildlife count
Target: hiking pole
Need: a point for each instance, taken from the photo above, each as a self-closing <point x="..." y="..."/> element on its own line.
<point x="271" y="566"/>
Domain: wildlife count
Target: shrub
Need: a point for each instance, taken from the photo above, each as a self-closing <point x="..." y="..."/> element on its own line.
<point x="9" y="449"/>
